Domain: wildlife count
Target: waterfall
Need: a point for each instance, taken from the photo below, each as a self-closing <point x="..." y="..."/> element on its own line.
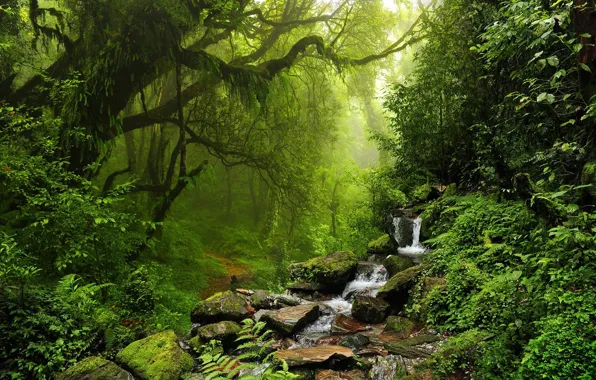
<point x="414" y="249"/>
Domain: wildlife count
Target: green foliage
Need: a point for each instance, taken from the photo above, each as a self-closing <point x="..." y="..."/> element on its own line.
<point x="254" y="362"/>
<point x="510" y="275"/>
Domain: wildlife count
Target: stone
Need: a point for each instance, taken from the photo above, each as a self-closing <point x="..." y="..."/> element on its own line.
<point x="225" y="306"/>
<point x="327" y="374"/>
<point x="246" y="292"/>
<point x="354" y="342"/>
<point x="404" y="231"/>
<point x="369" y="309"/>
<point x="261" y="299"/>
<point x="313" y="355"/>
<point x="395" y="264"/>
<point x="332" y="271"/>
<point x="395" y="291"/>
<point x="306" y="285"/>
<point x="397" y="328"/>
<point x="156" y="357"/>
<point x="343" y="324"/>
<point x="332" y="340"/>
<point x="411" y="348"/>
<point x="381" y="246"/>
<point x="225" y="331"/>
<point x="390" y="367"/>
<point x="95" y="368"/>
<point x="259" y="314"/>
<point x="285" y="300"/>
<point x="289" y="320"/>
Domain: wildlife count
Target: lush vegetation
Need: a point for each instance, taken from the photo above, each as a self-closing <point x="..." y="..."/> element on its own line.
<point x="153" y="152"/>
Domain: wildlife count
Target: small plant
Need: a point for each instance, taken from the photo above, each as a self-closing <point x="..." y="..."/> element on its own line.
<point x="256" y="349"/>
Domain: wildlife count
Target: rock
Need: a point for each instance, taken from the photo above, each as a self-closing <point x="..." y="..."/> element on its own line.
<point x="305" y="285"/>
<point x="261" y="299"/>
<point x="226" y="306"/>
<point x="390" y="367"/>
<point x="411" y="348"/>
<point x="343" y="324"/>
<point x="95" y="368"/>
<point x="246" y="292"/>
<point x="332" y="271"/>
<point x="313" y="355"/>
<point x="332" y="340"/>
<point x="156" y="357"/>
<point x="381" y="246"/>
<point x="226" y="331"/>
<point x="395" y="291"/>
<point x="290" y="320"/>
<point x="395" y="264"/>
<point x="369" y="309"/>
<point x="372" y="351"/>
<point x="327" y="374"/>
<point x="285" y="300"/>
<point x="404" y="231"/>
<point x="259" y="314"/>
<point x="354" y="342"/>
<point x="398" y="327"/>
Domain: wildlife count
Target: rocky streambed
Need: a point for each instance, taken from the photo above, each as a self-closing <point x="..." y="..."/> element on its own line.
<point x="340" y="319"/>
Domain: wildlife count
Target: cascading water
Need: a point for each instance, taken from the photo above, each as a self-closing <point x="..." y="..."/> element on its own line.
<point x="369" y="279"/>
<point x="415" y="249"/>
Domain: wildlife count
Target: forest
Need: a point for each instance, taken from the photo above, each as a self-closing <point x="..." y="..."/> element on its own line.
<point x="299" y="189"/>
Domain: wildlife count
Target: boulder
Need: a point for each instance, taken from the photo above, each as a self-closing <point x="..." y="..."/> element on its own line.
<point x="398" y="327"/>
<point x="226" y="306"/>
<point x="225" y="331"/>
<point x="381" y="246"/>
<point x="369" y="309"/>
<point x="313" y="355"/>
<point x="395" y="291"/>
<point x="343" y="324"/>
<point x="289" y="320"/>
<point x="404" y="231"/>
<point x="332" y="271"/>
<point x="156" y="357"/>
<point x="261" y="299"/>
<point x="95" y="368"/>
<point x="412" y="348"/>
<point x="395" y="264"/>
<point x="354" y="342"/>
<point x="306" y="285"/>
<point x="327" y="374"/>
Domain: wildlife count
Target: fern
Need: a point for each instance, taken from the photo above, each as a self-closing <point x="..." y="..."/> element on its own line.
<point x="256" y="343"/>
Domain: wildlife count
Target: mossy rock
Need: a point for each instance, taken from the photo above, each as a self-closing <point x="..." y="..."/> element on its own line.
<point x="95" y="368"/>
<point x="333" y="271"/>
<point x="399" y="326"/>
<point x="226" y="306"/>
<point x="408" y="348"/>
<point x="395" y="291"/>
<point x="381" y="246"/>
<point x="261" y="299"/>
<point x="156" y="357"/>
<point x="225" y="331"/>
<point x="395" y="264"/>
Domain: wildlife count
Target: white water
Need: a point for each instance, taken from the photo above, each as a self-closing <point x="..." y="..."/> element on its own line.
<point x="416" y="248"/>
<point x="365" y="281"/>
<point x="370" y="282"/>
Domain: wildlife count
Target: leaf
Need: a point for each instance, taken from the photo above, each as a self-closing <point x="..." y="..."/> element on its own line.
<point x="585" y="67"/>
<point x="545" y="97"/>
<point x="553" y="61"/>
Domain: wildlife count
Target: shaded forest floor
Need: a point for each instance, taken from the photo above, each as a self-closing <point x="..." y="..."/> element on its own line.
<point x="241" y="272"/>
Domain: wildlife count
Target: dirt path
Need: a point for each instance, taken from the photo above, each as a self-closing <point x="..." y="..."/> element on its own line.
<point x="219" y="284"/>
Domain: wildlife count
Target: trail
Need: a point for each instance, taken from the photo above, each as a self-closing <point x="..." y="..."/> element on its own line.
<point x="242" y="272"/>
